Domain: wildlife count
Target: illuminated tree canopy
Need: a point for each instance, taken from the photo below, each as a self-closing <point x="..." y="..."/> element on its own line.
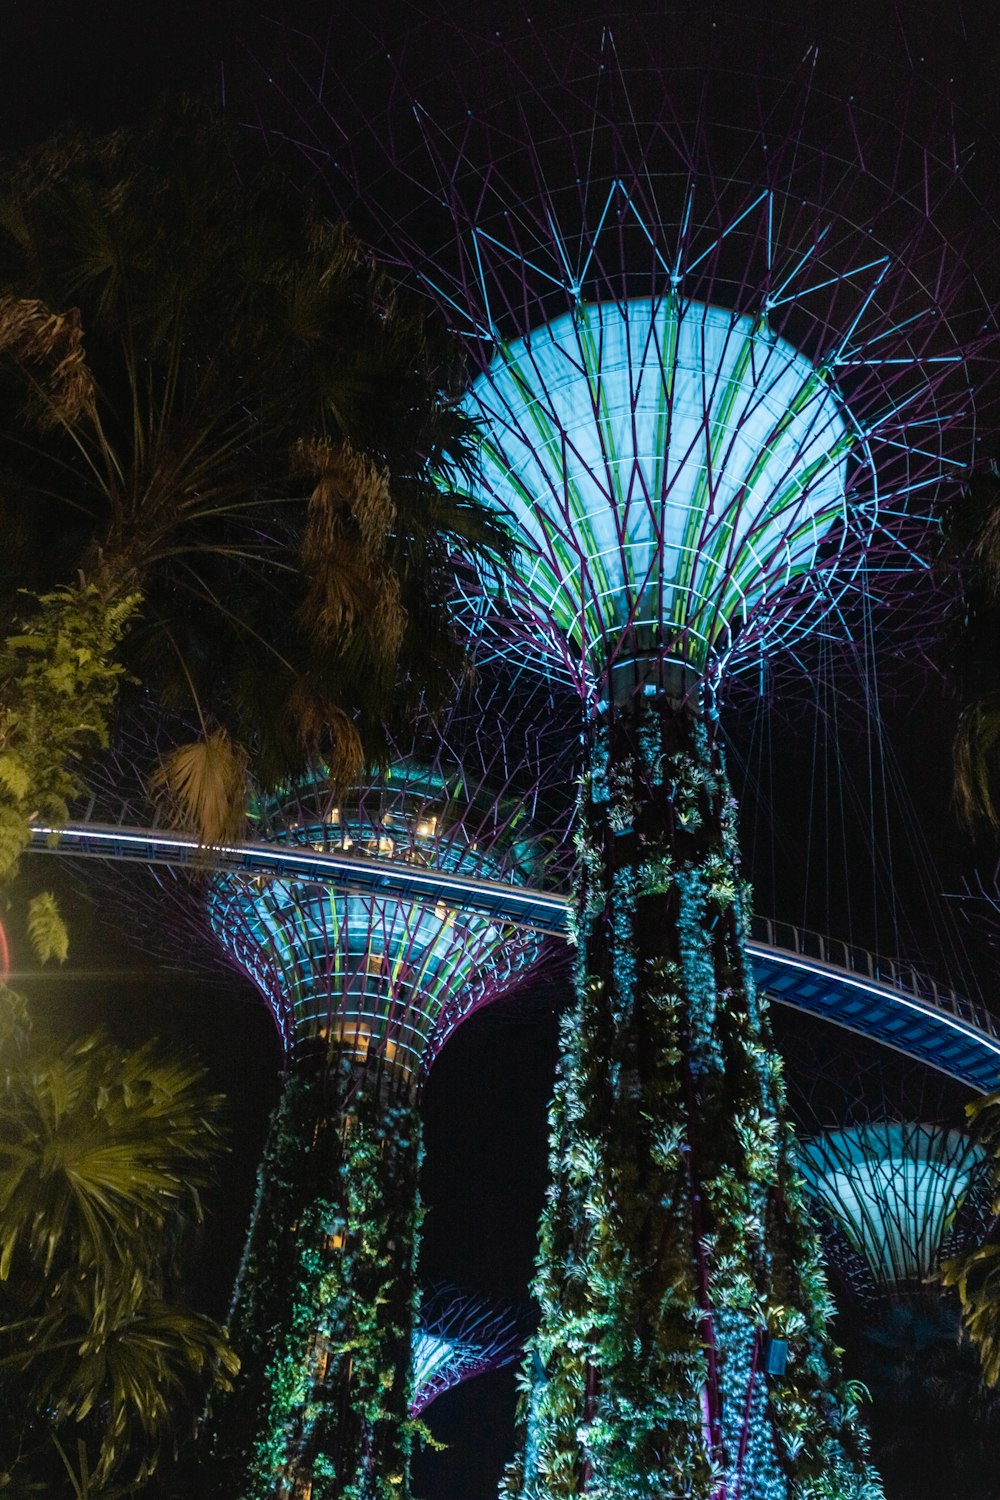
<point x="365" y="989"/>
<point x="894" y="1190"/>
<point x="458" y="1337"/>
<point x="671" y="468"/>
<point x="727" y="341"/>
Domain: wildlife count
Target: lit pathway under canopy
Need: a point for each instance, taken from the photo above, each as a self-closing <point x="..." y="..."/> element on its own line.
<point x="879" y="999"/>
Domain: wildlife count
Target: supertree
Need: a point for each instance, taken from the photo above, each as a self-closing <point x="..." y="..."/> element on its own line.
<point x="893" y="1189"/>
<point x="725" y="332"/>
<point x="460" y="1336"/>
<point x="897" y="1199"/>
<point x="365" y="989"/>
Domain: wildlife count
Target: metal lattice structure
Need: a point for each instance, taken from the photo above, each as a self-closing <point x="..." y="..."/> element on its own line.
<point x="894" y="1191"/>
<point x="366" y="982"/>
<point x="727" y="357"/>
<point x="458" y="1337"/>
<point x="729" y="351"/>
<point x="875" y="997"/>
<point x="387" y="978"/>
<point x="362" y="921"/>
<point x="692" y="464"/>
<point x="376" y="974"/>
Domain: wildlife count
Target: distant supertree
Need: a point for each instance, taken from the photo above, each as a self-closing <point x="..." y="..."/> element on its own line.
<point x="893" y="1190"/>
<point x="724" y="333"/>
<point x="460" y="1336"/>
<point x="896" y="1200"/>
<point x="365" y="989"/>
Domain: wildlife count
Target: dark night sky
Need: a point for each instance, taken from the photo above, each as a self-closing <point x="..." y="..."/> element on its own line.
<point x="105" y="62"/>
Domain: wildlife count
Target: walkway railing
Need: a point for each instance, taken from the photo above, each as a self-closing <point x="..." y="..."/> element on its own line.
<point x="887" y="971"/>
<point x="890" y="1001"/>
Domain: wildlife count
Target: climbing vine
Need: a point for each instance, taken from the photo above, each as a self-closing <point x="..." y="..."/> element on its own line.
<point x="325" y="1305"/>
<point x="675" y="1257"/>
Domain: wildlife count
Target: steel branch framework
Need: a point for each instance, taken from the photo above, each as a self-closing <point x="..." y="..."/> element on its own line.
<point x="367" y="972"/>
<point x="365" y="985"/>
<point x="692" y="464"/>
<point x="879" y="998"/>
<point x="724" y="372"/>
<point x="730" y="355"/>
<point x="894" y="1191"/>
<point x="458" y="1337"/>
<point x="383" y="970"/>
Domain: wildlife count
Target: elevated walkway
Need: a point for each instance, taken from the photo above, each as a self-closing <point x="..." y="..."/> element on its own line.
<point x="877" y="998"/>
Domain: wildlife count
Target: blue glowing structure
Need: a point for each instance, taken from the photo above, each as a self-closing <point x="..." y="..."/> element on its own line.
<point x="878" y="998"/>
<point x="671" y="469"/>
<point x="898" y="1198"/>
<point x="379" y="970"/>
<point x="728" y="356"/>
<point x="366" y="980"/>
<point x="376" y="976"/>
<point x="725" y="352"/>
<point x="894" y="1191"/>
<point x="458" y="1337"/>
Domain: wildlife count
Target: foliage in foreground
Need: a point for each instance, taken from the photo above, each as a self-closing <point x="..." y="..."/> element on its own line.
<point x="59" y="680"/>
<point x="212" y="400"/>
<point x="976" y="1272"/>
<point x="104" y="1153"/>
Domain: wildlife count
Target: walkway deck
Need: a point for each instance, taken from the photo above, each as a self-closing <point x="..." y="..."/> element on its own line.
<point x="848" y="986"/>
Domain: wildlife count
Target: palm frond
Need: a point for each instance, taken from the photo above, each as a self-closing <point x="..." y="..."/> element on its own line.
<point x="977" y="760"/>
<point x="203" y="787"/>
<point x="94" y="1143"/>
<point x="327" y="733"/>
<point x="227" y="326"/>
<point x="340" y="592"/>
<point x="137" y="1366"/>
<point x="47" y="932"/>
<point x="35" y="336"/>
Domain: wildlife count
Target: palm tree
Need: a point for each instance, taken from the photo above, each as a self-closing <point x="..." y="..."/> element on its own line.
<point x="226" y="420"/>
<point x="103" y="1156"/>
<point x="95" y="1142"/>
<point x="224" y="424"/>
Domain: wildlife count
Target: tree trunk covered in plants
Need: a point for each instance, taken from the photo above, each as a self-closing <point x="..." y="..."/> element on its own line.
<point x="675" y="1246"/>
<point x="325" y="1302"/>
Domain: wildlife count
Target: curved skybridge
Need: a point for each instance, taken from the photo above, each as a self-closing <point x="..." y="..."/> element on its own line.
<point x="877" y="998"/>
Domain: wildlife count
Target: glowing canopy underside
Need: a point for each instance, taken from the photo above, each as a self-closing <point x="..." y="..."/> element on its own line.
<point x="460" y="1336"/>
<point x="894" y="1190"/>
<point x="378" y="978"/>
<point x="670" y="469"/>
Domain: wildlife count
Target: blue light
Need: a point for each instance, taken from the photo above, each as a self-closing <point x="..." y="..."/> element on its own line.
<point x="432" y="1356"/>
<point x="671" y="468"/>
<point x="938" y="1020"/>
<point x="371" y="974"/>
<point x="894" y="1190"/>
